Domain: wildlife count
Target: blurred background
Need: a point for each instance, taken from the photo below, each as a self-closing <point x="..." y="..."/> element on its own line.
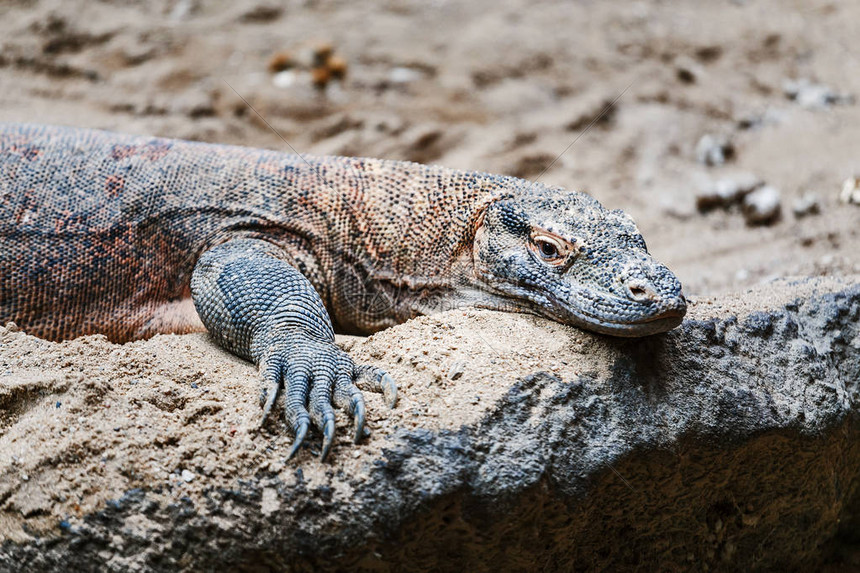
<point x="730" y="130"/>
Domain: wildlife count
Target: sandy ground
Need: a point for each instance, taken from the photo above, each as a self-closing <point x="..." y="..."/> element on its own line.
<point x="504" y="87"/>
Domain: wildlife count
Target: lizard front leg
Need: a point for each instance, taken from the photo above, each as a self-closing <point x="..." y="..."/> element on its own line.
<point x="257" y="305"/>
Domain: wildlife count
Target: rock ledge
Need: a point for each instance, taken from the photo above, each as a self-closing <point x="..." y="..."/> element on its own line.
<point x="731" y="442"/>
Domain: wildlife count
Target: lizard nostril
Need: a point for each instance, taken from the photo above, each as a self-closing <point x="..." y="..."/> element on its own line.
<point x="641" y="293"/>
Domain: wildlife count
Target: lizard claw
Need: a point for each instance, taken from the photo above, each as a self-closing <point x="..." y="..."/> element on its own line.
<point x="301" y="432"/>
<point x="377" y="380"/>
<point x="328" y="437"/>
<point x="268" y="395"/>
<point x="389" y="389"/>
<point x="358" y="413"/>
<point x="349" y="397"/>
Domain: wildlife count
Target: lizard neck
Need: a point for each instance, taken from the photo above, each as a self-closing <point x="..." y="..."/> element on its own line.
<point x="406" y="242"/>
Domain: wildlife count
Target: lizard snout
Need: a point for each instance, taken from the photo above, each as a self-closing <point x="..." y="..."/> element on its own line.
<point x="641" y="292"/>
<point x="651" y="283"/>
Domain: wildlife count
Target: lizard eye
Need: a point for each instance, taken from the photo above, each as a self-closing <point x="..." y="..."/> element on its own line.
<point x="550" y="248"/>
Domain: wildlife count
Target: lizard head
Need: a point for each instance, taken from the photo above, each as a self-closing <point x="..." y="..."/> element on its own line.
<point x="562" y="255"/>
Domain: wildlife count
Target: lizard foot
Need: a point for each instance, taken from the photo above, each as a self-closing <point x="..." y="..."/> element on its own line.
<point x="314" y="375"/>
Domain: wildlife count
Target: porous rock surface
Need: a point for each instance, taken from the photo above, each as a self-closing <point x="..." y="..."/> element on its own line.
<point x="730" y="443"/>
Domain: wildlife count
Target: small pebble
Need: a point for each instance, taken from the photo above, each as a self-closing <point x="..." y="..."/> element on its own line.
<point x="320" y="77"/>
<point x="726" y="192"/>
<point x="401" y="75"/>
<point x="687" y="70"/>
<point x="771" y="116"/>
<point x="807" y="204"/>
<point x="762" y="206"/>
<point x="281" y="61"/>
<point x="338" y="67"/>
<point x="456" y="371"/>
<point x="284" y="79"/>
<point x="850" y="191"/>
<point x="262" y="13"/>
<point x="714" y="150"/>
<point x="187" y="476"/>
<point x="813" y="96"/>
<point x="322" y="53"/>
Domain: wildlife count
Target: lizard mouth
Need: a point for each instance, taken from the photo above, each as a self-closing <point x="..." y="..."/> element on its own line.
<point x="670" y="315"/>
<point x="645" y="327"/>
<point x="639" y="319"/>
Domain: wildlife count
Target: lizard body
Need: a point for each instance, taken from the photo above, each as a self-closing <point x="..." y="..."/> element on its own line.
<point x="131" y="236"/>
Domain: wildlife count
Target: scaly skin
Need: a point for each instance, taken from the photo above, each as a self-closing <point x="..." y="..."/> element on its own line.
<point x="272" y="253"/>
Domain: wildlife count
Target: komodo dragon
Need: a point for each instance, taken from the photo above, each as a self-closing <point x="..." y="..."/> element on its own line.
<point x="272" y="253"/>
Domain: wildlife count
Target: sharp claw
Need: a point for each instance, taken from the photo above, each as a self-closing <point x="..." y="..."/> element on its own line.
<point x="301" y="432"/>
<point x="358" y="412"/>
<point x="389" y="390"/>
<point x="271" y="394"/>
<point x="328" y="437"/>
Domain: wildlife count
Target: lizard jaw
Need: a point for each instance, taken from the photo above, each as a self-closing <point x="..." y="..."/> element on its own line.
<point x="646" y="327"/>
<point x="668" y="317"/>
<point x="508" y="297"/>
